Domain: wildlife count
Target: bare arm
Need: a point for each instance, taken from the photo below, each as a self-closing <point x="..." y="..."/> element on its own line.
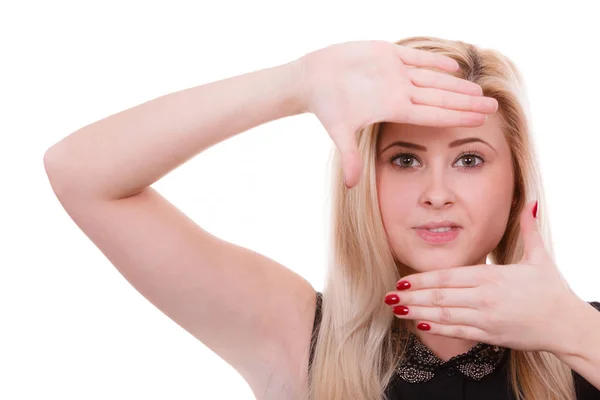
<point x="121" y="155"/>
<point x="255" y="313"/>
<point x="582" y="350"/>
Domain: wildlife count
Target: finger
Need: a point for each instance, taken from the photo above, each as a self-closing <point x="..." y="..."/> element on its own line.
<point x="424" y="58"/>
<point x="441" y="117"/>
<point x="428" y="78"/>
<point x="458" y="331"/>
<point x="351" y="159"/>
<point x="439" y="297"/>
<point x="453" y="101"/>
<point x="465" y="277"/>
<point x="440" y="315"/>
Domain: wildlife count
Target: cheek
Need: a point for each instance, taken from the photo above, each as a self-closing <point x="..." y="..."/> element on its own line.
<point x="491" y="190"/>
<point x="489" y="201"/>
<point x="396" y="202"/>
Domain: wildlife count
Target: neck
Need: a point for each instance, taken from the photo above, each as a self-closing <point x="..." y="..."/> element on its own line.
<point x="444" y="347"/>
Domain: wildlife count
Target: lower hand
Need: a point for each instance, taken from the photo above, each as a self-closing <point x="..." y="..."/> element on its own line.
<point x="526" y="306"/>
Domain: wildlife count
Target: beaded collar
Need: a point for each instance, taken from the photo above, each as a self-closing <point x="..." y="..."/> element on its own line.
<point x="420" y="364"/>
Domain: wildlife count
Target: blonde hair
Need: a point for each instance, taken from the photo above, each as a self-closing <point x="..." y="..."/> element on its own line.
<point x="355" y="350"/>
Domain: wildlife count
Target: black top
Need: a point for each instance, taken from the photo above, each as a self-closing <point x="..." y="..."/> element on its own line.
<point x="480" y="373"/>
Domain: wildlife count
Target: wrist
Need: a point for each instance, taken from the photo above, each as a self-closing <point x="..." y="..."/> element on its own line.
<point x="582" y="325"/>
<point x="295" y="77"/>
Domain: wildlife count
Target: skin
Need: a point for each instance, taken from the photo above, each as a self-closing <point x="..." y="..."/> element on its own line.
<point x="441" y="184"/>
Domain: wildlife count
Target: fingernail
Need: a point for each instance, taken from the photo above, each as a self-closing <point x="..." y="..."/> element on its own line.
<point x="392" y="299"/>
<point x="535" y="209"/>
<point x="403" y="285"/>
<point x="423" y="326"/>
<point x="400" y="310"/>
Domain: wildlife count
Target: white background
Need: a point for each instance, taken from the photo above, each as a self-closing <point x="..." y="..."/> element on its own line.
<point x="71" y="326"/>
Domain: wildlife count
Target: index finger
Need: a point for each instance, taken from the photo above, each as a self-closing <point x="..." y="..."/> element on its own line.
<point x="424" y="58"/>
<point x="464" y="277"/>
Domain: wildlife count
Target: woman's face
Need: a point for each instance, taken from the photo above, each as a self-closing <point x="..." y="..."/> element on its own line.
<point x="460" y="174"/>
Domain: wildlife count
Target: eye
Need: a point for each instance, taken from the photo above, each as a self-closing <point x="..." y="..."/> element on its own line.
<point x="406" y="160"/>
<point x="467" y="160"/>
<point x="470" y="160"/>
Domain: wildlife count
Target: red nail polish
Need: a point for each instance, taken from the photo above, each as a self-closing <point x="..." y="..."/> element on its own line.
<point x="423" y="326"/>
<point x="535" y="209"/>
<point x="403" y="285"/>
<point x="401" y="310"/>
<point x="391" y="299"/>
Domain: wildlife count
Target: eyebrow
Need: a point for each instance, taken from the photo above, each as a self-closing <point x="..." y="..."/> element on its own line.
<point x="454" y="143"/>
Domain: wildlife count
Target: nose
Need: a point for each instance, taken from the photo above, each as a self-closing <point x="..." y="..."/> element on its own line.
<point x="437" y="188"/>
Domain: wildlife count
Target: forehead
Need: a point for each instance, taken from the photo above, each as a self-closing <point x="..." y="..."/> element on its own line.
<point x="491" y="131"/>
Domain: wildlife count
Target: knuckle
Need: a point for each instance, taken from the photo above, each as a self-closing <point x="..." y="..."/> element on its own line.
<point x="493" y="277"/>
<point x="445" y="277"/>
<point x="460" y="332"/>
<point x="438" y="297"/>
<point x="488" y="321"/>
<point x="483" y="299"/>
<point x="488" y="302"/>
<point x="445" y="316"/>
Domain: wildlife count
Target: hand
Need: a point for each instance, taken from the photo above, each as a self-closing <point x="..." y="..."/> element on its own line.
<point x="351" y="85"/>
<point x="525" y="306"/>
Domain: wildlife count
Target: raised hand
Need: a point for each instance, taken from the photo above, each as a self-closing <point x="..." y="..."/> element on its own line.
<point x="351" y="85"/>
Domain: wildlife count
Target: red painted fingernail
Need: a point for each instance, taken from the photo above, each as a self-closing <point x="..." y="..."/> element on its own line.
<point x="535" y="209"/>
<point x="392" y="299"/>
<point x="403" y="285"/>
<point x="401" y="310"/>
<point x="423" y="326"/>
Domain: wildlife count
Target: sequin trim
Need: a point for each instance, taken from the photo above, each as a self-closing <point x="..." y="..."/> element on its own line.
<point x="420" y="364"/>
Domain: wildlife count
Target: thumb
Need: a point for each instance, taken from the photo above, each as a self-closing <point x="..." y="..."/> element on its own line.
<point x="351" y="159"/>
<point x="534" y="248"/>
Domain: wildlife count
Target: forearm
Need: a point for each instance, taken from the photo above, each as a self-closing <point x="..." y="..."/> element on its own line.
<point x="582" y="351"/>
<point x="124" y="153"/>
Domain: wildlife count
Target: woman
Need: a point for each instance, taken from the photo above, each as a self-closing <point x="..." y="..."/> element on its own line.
<point x="442" y="187"/>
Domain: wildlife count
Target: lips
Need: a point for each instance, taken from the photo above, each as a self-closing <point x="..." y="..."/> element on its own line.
<point x="433" y="237"/>
<point x="450" y="231"/>
<point x="439" y="224"/>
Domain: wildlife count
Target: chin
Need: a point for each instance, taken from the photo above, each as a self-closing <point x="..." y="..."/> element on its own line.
<point x="432" y="262"/>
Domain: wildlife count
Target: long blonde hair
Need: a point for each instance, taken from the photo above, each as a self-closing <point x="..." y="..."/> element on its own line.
<point x="355" y="351"/>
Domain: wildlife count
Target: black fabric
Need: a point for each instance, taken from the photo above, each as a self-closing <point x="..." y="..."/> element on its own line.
<point x="316" y="327"/>
<point x="584" y="389"/>
<point x="464" y="377"/>
<point x="420" y="364"/>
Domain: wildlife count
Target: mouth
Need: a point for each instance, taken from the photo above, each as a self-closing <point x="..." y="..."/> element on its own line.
<point x="439" y="230"/>
<point x="438" y="235"/>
